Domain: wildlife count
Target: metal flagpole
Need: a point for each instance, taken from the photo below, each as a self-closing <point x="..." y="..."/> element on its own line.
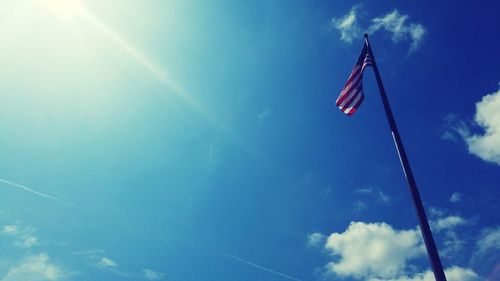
<point x="424" y="224"/>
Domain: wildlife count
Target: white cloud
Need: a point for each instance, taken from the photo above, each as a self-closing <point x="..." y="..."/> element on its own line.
<point x="315" y="239"/>
<point x="489" y="241"/>
<point x="398" y="25"/>
<point x="452" y="243"/>
<point x="454" y="273"/>
<point x="395" y="23"/>
<point x="456" y="129"/>
<point x="373" y="250"/>
<point x="27" y="241"/>
<point x="448" y="222"/>
<point x="487" y="252"/>
<point x="487" y="145"/>
<point x="34" y="268"/>
<point x="97" y="258"/>
<point x="379" y="195"/>
<point x="23" y="237"/>
<point x="152" y="275"/>
<point x="348" y="25"/>
<point x="359" y="206"/>
<point x="455" y="197"/>
<point x="107" y="263"/>
<point x="378" y="252"/>
<point x="435" y="212"/>
<point x="10" y="229"/>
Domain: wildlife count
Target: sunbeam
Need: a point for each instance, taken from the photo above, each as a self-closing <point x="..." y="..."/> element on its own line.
<point x="157" y="71"/>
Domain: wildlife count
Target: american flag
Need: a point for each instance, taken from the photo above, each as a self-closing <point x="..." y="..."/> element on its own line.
<point x="352" y="95"/>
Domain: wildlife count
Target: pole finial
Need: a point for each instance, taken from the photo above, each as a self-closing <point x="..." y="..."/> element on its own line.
<point x="366" y="35"/>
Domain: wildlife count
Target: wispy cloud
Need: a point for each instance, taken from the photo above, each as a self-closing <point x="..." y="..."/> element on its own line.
<point x="486" y="145"/>
<point x="395" y="23"/>
<point x="264" y="115"/>
<point x="455" y="128"/>
<point x="449" y="229"/>
<point x="150" y="274"/>
<point x="23" y="237"/>
<point x="447" y="226"/>
<point x="315" y="239"/>
<point x="448" y="222"/>
<point x="29" y="241"/>
<point x="10" y="229"/>
<point x="380" y="196"/>
<point x="100" y="259"/>
<point x="359" y="206"/>
<point x="369" y="196"/>
<point x="487" y="249"/>
<point x="348" y="25"/>
<point x="455" y="197"/>
<point x="490" y="240"/>
<point x="436" y="212"/>
<point x="34" y="268"/>
<point x="106" y="263"/>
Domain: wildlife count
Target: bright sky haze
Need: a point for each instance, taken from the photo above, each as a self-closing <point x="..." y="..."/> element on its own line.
<point x="199" y="140"/>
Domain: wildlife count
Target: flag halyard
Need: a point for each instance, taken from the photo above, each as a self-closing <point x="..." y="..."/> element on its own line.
<point x="352" y="95"/>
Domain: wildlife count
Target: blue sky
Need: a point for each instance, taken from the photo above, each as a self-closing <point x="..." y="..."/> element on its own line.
<point x="198" y="140"/>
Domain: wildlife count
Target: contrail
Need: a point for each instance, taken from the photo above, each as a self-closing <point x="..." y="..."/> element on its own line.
<point x="25" y="188"/>
<point x="223" y="254"/>
<point x="214" y="251"/>
<point x="252" y="264"/>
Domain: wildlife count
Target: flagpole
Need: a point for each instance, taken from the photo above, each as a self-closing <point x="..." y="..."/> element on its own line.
<point x="424" y="224"/>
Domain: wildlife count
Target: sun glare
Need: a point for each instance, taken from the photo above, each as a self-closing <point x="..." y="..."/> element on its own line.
<point x="64" y="9"/>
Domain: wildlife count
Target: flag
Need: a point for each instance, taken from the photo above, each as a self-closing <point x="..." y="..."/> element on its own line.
<point x="352" y="95"/>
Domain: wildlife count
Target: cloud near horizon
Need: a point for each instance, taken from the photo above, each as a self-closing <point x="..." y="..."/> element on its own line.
<point x="379" y="252"/>
<point x="453" y="273"/>
<point x="374" y="250"/>
<point x="34" y="268"/>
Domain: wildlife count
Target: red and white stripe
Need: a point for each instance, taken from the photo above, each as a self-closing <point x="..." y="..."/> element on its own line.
<point x="352" y="95"/>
